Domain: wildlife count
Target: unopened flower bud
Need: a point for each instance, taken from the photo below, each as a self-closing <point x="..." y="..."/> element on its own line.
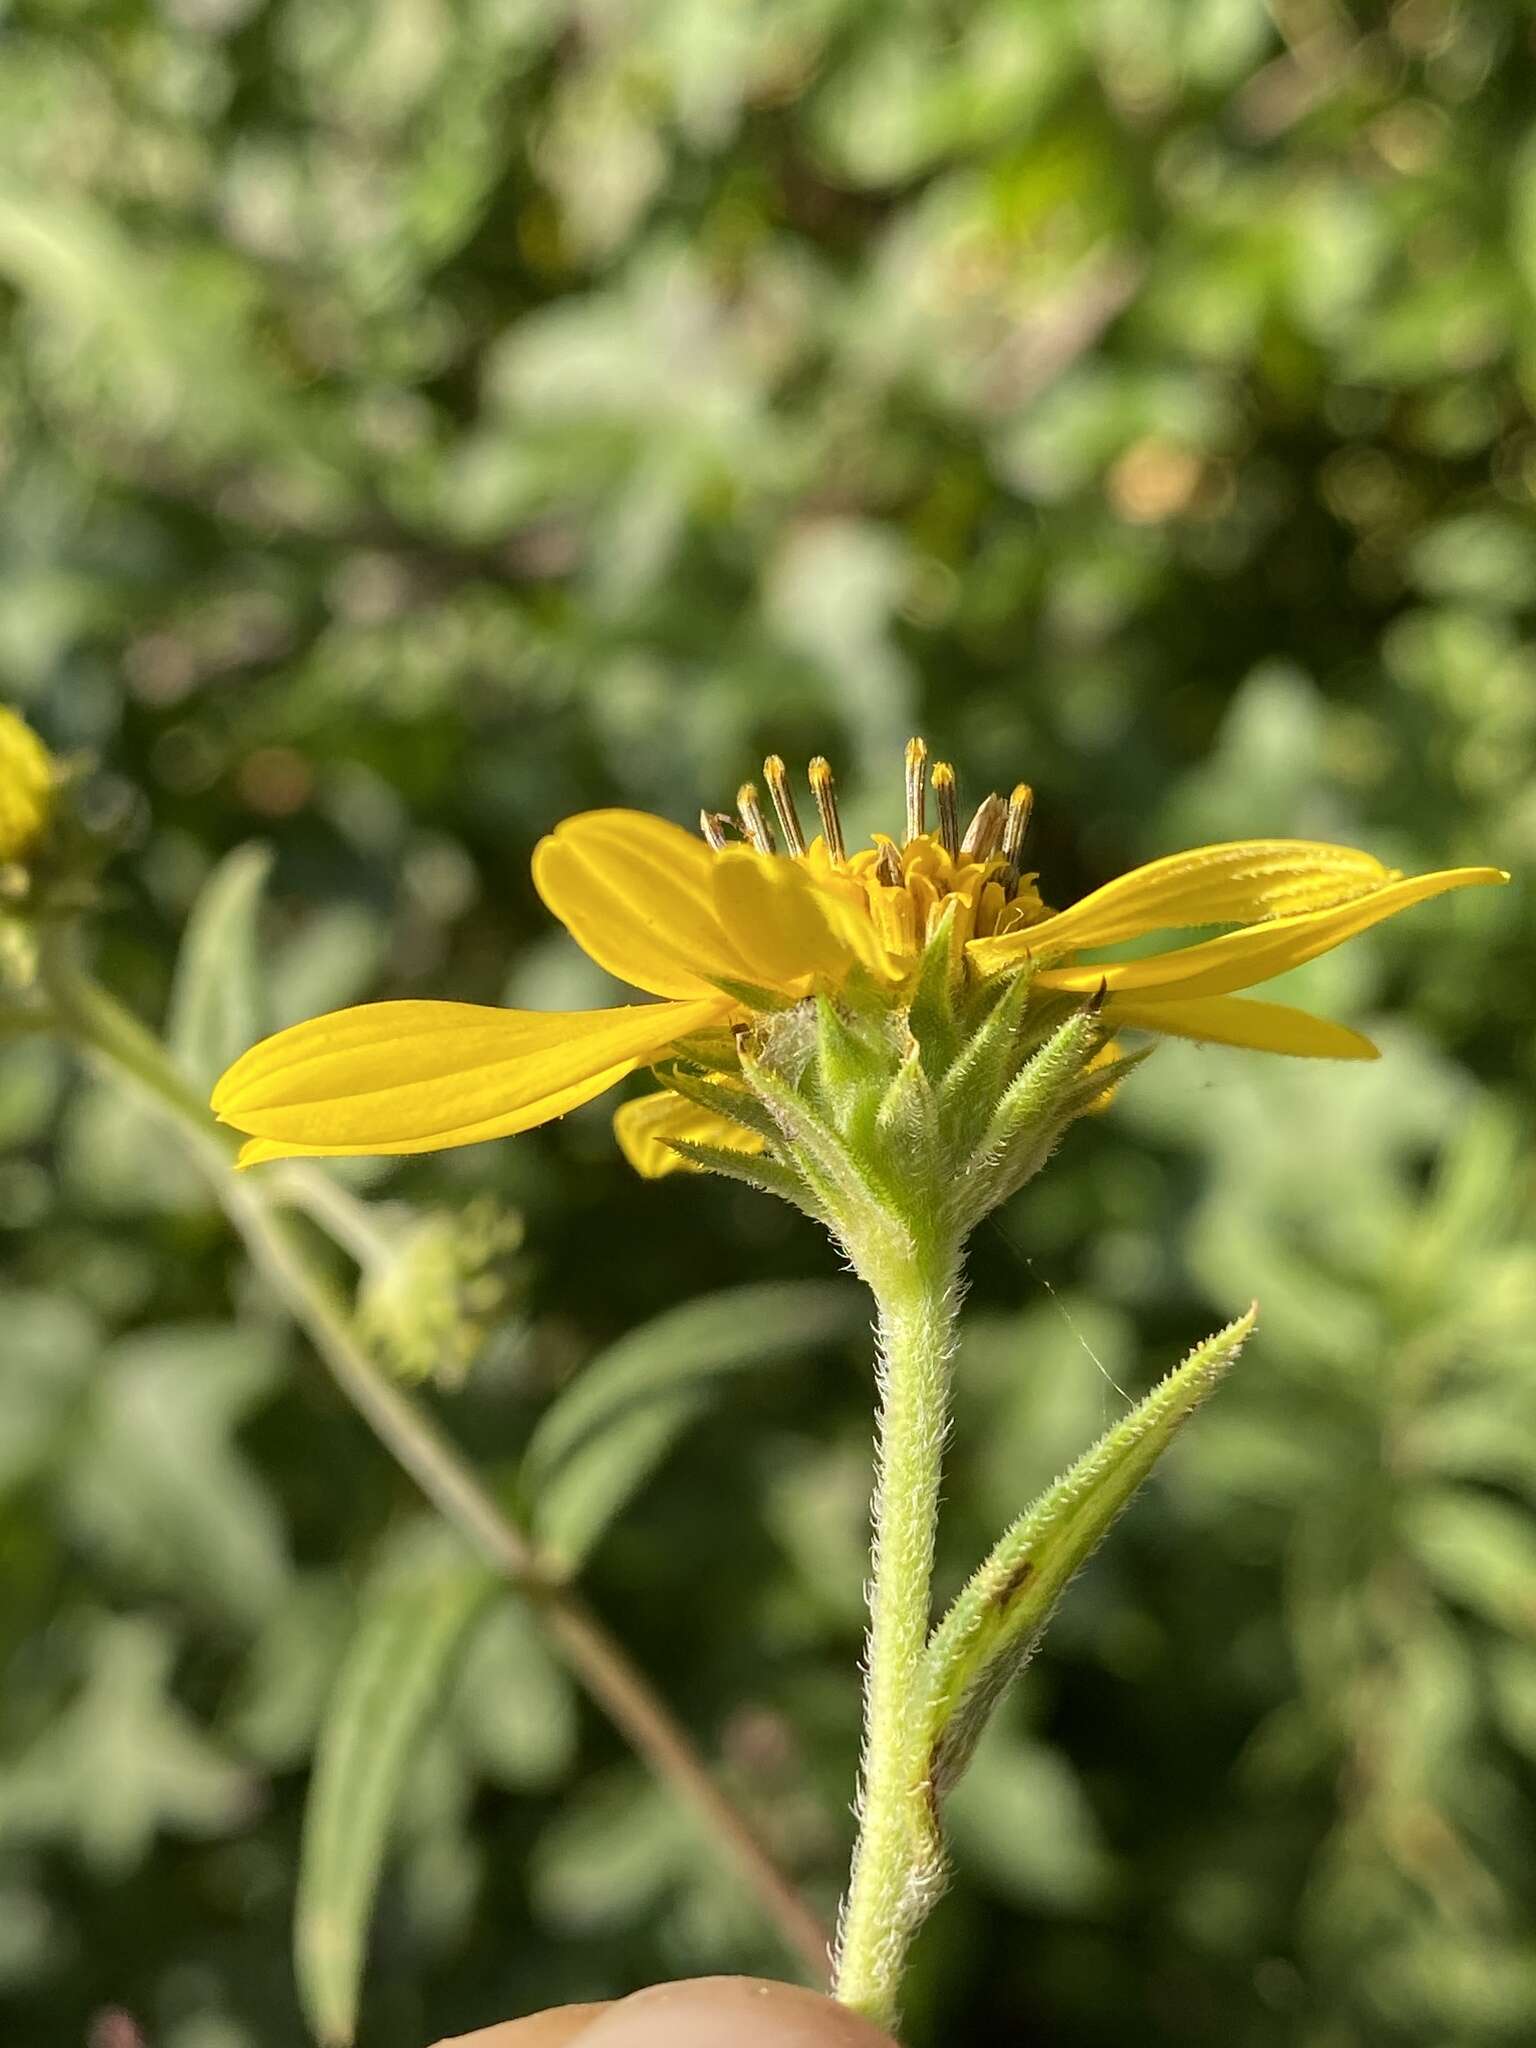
<point x="430" y="1306"/>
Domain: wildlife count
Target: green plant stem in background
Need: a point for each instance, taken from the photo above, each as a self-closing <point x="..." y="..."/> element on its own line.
<point x="344" y="1219"/>
<point x="897" y="1866"/>
<point x="94" y="1019"/>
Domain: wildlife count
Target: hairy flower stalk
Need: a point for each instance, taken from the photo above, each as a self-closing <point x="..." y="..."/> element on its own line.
<point x="897" y="1867"/>
<point x="894" y="1038"/>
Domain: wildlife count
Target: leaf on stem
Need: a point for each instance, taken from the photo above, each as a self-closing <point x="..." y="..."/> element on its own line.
<point x="393" y="1674"/>
<point x="218" y="1001"/>
<point x="598" y="1443"/>
<point x="989" y="1633"/>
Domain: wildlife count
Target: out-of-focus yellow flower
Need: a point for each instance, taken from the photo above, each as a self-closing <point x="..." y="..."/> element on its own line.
<point x="722" y="929"/>
<point x="27" y="778"/>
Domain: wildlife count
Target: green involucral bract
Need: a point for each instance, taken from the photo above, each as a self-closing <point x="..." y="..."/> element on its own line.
<point x="921" y="1117"/>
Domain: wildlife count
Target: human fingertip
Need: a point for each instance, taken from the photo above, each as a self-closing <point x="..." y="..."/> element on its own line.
<point x="552" y="2029"/>
<point x="730" y="2012"/>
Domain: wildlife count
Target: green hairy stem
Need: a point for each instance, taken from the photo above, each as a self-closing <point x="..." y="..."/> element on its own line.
<point x="898" y="1865"/>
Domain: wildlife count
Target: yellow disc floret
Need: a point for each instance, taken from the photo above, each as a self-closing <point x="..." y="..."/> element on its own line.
<point x="908" y="890"/>
<point x="905" y="889"/>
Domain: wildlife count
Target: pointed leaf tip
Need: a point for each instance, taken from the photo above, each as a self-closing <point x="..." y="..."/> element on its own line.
<point x="991" y="1631"/>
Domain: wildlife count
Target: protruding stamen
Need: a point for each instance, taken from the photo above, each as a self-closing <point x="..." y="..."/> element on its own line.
<point x="949" y="808"/>
<point x="784" y="803"/>
<point x="1016" y="824"/>
<point x="985" y="829"/>
<point x="888" y="868"/>
<point x="917" y="793"/>
<point x="714" y="824"/>
<point x="824" y="790"/>
<point x="753" y="823"/>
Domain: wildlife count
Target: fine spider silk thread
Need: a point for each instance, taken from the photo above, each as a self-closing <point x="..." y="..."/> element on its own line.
<point x="1061" y="1309"/>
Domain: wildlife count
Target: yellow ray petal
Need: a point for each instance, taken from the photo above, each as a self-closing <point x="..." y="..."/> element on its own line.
<point x="1243" y="959"/>
<point x="418" y="1076"/>
<point x="797" y="934"/>
<point x="1241" y="882"/>
<point x="636" y="893"/>
<point x="1106" y="1056"/>
<point x="1238" y="1020"/>
<point x="645" y="1126"/>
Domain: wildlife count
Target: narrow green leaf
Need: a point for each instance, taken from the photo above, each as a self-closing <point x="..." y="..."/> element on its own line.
<point x="602" y="1438"/>
<point x="1479" y="1550"/>
<point x="987" y="1636"/>
<point x="737" y="1327"/>
<point x="154" y="1478"/>
<point x="393" y="1674"/>
<point x="218" y="1000"/>
<point x="1022" y="1817"/>
<point x="514" y="1703"/>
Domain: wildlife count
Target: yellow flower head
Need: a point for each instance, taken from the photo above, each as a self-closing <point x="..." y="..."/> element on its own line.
<point x="26" y="786"/>
<point x="725" y="925"/>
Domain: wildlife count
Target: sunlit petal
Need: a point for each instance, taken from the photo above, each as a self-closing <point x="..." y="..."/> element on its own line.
<point x="419" y="1076"/>
<point x="1238" y="1020"/>
<point x="637" y="894"/>
<point x="1241" y="882"/>
<point x="647" y="1127"/>
<point x="797" y="933"/>
<point x="1243" y="959"/>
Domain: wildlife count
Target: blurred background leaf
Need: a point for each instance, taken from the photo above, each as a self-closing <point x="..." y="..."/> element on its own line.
<point x="219" y="996"/>
<point x="413" y="1622"/>
<point x="596" y="1444"/>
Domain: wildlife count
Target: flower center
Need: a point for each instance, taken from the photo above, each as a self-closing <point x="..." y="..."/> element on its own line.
<point x="905" y="888"/>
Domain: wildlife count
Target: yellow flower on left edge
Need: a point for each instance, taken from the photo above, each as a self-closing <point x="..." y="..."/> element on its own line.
<point x="714" y="928"/>
<point x="27" y="776"/>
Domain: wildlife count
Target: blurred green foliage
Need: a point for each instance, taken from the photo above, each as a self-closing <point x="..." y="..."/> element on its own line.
<point x="420" y="420"/>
